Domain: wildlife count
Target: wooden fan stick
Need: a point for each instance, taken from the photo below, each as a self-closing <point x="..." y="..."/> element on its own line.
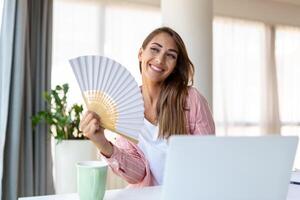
<point x="101" y="104"/>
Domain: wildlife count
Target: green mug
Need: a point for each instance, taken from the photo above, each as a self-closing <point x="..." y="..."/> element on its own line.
<point x="91" y="179"/>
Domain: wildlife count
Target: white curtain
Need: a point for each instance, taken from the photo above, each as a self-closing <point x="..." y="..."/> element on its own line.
<point x="245" y="78"/>
<point x="1" y="135"/>
<point x="288" y="65"/>
<point x="1" y="11"/>
<point x="288" y="72"/>
<point x="238" y="60"/>
<point x="256" y="79"/>
<point x="25" y="66"/>
<point x="270" y="120"/>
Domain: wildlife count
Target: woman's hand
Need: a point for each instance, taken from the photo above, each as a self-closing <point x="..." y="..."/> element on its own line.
<point x="91" y="128"/>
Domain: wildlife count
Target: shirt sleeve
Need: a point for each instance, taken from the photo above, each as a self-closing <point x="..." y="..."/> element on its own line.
<point x="200" y="118"/>
<point x="128" y="162"/>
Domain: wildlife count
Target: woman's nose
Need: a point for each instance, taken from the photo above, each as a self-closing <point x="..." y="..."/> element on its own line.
<point x="159" y="58"/>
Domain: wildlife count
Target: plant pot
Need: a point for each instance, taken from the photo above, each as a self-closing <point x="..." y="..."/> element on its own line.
<point x="65" y="156"/>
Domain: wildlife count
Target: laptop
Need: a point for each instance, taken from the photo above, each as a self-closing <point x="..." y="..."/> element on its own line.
<point x="228" y="168"/>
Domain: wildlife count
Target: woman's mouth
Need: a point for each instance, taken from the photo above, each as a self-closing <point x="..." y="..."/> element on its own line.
<point x="156" y="69"/>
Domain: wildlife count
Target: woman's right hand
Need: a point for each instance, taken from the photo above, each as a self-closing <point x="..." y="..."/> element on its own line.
<point x="90" y="125"/>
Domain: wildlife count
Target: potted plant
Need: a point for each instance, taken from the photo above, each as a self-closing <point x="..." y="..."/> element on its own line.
<point x="71" y="146"/>
<point x="63" y="122"/>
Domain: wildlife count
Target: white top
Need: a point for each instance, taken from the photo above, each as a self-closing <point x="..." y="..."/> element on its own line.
<point x="154" y="150"/>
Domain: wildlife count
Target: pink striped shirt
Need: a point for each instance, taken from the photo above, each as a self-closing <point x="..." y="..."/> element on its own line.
<point x="129" y="162"/>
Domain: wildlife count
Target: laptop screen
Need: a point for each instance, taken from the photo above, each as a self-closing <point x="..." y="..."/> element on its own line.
<point x="228" y="168"/>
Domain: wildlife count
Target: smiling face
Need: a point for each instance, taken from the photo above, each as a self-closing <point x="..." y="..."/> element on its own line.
<point x="158" y="59"/>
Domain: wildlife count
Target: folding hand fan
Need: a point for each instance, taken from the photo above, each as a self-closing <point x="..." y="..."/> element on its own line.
<point x="110" y="90"/>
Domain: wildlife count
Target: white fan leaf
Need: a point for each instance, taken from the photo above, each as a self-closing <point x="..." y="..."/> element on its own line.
<point x="128" y="90"/>
<point x="129" y="117"/>
<point x="84" y="73"/>
<point x="135" y="97"/>
<point x="77" y="72"/>
<point x="112" y="79"/>
<point x="107" y="75"/>
<point x="111" y="91"/>
<point x="121" y="84"/>
<point x="130" y="107"/>
<point x="119" y="74"/>
<point x="134" y="132"/>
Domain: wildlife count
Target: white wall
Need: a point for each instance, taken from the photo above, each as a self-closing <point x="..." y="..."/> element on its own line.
<point x="195" y="27"/>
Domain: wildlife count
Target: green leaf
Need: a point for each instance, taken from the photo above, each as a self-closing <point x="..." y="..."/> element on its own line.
<point x="47" y="97"/>
<point x="58" y="87"/>
<point x="65" y="88"/>
<point x="56" y="98"/>
<point x="35" y="120"/>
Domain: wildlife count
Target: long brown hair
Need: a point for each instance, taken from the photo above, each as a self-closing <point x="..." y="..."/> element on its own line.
<point x="171" y="105"/>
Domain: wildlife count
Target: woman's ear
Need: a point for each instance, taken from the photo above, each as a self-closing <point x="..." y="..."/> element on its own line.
<point x="140" y="54"/>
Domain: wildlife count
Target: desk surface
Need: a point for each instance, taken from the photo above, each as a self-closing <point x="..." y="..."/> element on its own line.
<point x="146" y="193"/>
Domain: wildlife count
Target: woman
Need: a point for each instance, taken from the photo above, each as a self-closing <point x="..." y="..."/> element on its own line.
<point x="172" y="107"/>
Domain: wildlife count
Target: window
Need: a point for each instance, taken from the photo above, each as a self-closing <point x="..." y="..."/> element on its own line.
<point x="238" y="50"/>
<point x="97" y="28"/>
<point x="76" y="31"/>
<point x="242" y="57"/>
<point x="288" y="72"/>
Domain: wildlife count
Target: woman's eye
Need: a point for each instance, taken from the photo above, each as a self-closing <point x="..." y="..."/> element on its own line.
<point x="172" y="56"/>
<point x="155" y="50"/>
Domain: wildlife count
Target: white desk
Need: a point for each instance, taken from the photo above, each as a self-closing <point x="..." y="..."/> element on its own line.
<point x="147" y="193"/>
